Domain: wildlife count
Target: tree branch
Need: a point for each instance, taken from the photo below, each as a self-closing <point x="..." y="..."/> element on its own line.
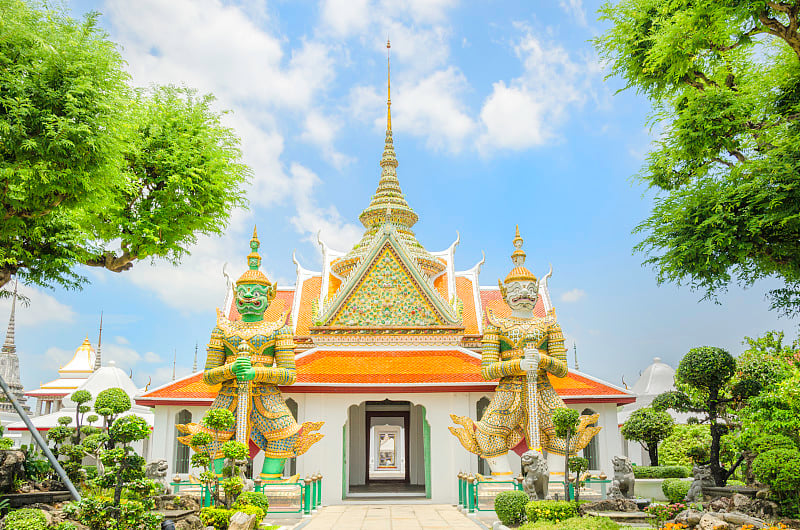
<point x="109" y="260"/>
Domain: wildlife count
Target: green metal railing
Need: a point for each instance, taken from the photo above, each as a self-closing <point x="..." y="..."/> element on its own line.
<point x="469" y="486"/>
<point x="308" y="491"/>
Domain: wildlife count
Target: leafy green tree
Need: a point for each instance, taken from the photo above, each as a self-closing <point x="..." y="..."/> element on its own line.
<point x="702" y="380"/>
<point x="110" y="403"/>
<point x="80" y="397"/>
<point x="724" y="81"/>
<point x="92" y="171"/>
<point x="122" y="464"/>
<point x="565" y="421"/>
<point x="648" y="427"/>
<point x="578" y="465"/>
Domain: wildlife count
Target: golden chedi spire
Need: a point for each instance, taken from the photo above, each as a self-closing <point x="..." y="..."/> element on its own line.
<point x="253" y="274"/>
<point x="519" y="272"/>
<point x="388" y="206"/>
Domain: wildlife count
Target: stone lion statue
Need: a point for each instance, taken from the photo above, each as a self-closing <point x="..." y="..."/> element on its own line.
<point x="157" y="472"/>
<point x="536" y="475"/>
<point x="702" y="477"/>
<point x="623" y="482"/>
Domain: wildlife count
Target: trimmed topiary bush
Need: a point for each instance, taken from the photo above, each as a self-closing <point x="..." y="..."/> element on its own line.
<point x="686" y="440"/>
<point x="675" y="489"/>
<point x="25" y="519"/>
<point x="661" y="471"/>
<point x="510" y="507"/>
<point x="253" y="498"/>
<point x="575" y="523"/>
<point x="216" y="517"/>
<point x="550" y="510"/>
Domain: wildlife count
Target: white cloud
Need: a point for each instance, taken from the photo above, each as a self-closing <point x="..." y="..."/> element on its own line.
<point x="321" y="131"/>
<point x="43" y="309"/>
<point x="528" y="110"/>
<point x="575" y="9"/>
<point x="152" y="357"/>
<point x="345" y="17"/>
<point x="573" y="295"/>
<point x="59" y="356"/>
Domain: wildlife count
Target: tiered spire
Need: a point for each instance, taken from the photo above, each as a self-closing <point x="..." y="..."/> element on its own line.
<point x="388" y="206"/>
<point x="9" y="345"/>
<point x="9" y="362"/>
<point x="97" y="357"/>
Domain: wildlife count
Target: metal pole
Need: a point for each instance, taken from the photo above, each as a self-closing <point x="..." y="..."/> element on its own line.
<point x="40" y="442"/>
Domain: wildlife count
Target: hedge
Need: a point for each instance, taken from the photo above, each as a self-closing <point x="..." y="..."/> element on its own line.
<point x="675" y="489"/>
<point x="550" y="510"/>
<point x="510" y="506"/>
<point x="661" y="471"/>
<point x="575" y="523"/>
<point x="25" y="519"/>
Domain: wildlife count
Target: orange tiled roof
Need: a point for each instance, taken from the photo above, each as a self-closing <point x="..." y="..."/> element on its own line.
<point x="413" y="370"/>
<point x="308" y="294"/>
<point x="464" y="290"/>
<point x="440" y="284"/>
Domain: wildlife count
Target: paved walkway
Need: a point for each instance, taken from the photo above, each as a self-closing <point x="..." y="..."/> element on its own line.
<point x="390" y="517"/>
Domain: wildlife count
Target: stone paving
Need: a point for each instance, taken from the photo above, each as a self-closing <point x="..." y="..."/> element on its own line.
<point x="390" y="517"/>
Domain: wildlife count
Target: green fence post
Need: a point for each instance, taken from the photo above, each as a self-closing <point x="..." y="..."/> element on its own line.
<point x="319" y="489"/>
<point x="308" y="495"/>
<point x="471" y="488"/>
<point x="460" y="493"/>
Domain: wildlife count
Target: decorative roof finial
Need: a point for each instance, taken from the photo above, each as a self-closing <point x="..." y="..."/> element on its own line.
<point x="194" y="365"/>
<point x="388" y="85"/>
<point x="253" y="274"/>
<point x="97" y="357"/>
<point x="519" y="272"/>
<point x="174" y="362"/>
<point x="575" y="349"/>
<point x="10" y="346"/>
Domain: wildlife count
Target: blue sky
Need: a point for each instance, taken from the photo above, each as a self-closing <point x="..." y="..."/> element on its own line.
<point x="501" y="115"/>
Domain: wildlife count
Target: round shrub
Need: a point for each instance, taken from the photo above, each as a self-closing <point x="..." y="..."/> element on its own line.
<point x="779" y="469"/>
<point x="678" y="448"/>
<point x="510" y="507"/>
<point x="25" y="519"/>
<point x="550" y="510"/>
<point x="767" y="442"/>
<point x="254" y="498"/>
<point x="675" y="489"/>
<point x="706" y="368"/>
<point x="216" y="517"/>
<point x="112" y="401"/>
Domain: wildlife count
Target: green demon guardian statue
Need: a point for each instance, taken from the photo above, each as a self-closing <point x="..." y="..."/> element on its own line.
<point x="514" y="346"/>
<point x="250" y="358"/>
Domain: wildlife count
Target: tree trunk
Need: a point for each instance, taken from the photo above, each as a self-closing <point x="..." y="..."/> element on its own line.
<point x="578" y="486"/>
<point x="566" y="469"/>
<point x="717" y="471"/>
<point x="652" y="452"/>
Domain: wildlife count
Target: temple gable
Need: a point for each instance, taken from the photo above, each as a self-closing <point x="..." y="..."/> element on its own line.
<point x="388" y="290"/>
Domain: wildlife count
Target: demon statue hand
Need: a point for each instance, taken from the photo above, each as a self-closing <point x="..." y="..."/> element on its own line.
<point x="506" y="340"/>
<point x="270" y="425"/>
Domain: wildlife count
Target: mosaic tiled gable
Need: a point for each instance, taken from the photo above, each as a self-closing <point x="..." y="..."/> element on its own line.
<point x="387" y="296"/>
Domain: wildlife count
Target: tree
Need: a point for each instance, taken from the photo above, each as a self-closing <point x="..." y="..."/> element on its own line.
<point x="92" y="171"/>
<point x="79" y="397"/>
<point x="648" y="427"/>
<point x="578" y="465"/>
<point x="724" y="81"/>
<point x="565" y="421"/>
<point x="123" y="465"/>
<point x="702" y="380"/>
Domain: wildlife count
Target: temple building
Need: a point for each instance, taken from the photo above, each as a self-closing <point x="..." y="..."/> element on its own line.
<point x="50" y="396"/>
<point x="388" y="345"/>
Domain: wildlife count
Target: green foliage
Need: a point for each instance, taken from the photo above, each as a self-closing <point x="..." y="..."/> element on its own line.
<point x="565" y="420"/>
<point x="25" y="519"/>
<point x="648" y="427"/>
<point x="60" y="433"/>
<point x="219" y="419"/>
<point x="706" y="368"/>
<point x="64" y="525"/>
<point x="216" y="517"/>
<point x="777" y="410"/>
<point x="510" y="506"/>
<point x="686" y="445"/>
<point x="723" y="80"/>
<point x="550" y="510"/>
<point x="97" y="512"/>
<point x="114" y="400"/>
<point x="64" y="420"/>
<point x="81" y="396"/>
<point x="675" y="489"/>
<point x="574" y="523"/>
<point x="235" y="450"/>
<point x="200" y="459"/>
<point x="767" y="442"/>
<point x="578" y="464"/>
<point x="780" y="470"/>
<point x="6" y="443"/>
<point x="254" y="498"/>
<point x="129" y="429"/>
<point x="200" y="439"/>
<point x="93" y="171"/>
<point x="661" y="471"/>
<point x="232" y="486"/>
<point x="664" y="512"/>
<point x="92" y="418"/>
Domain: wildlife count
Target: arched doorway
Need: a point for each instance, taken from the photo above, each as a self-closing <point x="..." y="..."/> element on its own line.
<point x="387" y="445"/>
<point x="182" y="451"/>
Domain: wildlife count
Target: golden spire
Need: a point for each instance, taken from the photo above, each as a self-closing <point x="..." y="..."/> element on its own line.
<point x="388" y="86"/>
